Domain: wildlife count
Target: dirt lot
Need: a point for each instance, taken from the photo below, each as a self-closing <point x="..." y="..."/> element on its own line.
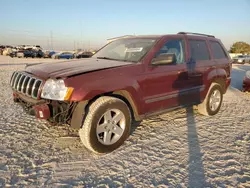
<point x="178" y="149"/>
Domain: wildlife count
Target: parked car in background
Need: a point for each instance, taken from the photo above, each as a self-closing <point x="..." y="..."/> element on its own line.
<point x="48" y="54"/>
<point x="20" y="53"/>
<point x="7" y="51"/>
<point x="13" y="54"/>
<point x="129" y="79"/>
<point x="28" y="47"/>
<point x="26" y="53"/>
<point x="64" y="55"/>
<point x="2" y="47"/>
<point x="241" y="59"/>
<point x="39" y="53"/>
<point x="84" y="55"/>
<point x="246" y="82"/>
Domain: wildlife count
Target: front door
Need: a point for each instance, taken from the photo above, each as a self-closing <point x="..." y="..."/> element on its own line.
<point x="168" y="86"/>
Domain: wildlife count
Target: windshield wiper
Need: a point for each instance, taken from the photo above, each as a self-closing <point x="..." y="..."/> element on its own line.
<point x="116" y="59"/>
<point x="105" y="58"/>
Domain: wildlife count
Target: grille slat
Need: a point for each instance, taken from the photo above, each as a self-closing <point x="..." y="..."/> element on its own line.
<point x="17" y="80"/>
<point x="26" y="84"/>
<point x="13" y="78"/>
<point x="30" y="86"/>
<point x="20" y="82"/>
<point x="35" y="88"/>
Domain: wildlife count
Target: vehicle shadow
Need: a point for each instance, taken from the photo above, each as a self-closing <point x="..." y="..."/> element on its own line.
<point x="196" y="174"/>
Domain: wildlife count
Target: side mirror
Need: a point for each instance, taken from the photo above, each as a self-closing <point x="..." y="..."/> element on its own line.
<point x="164" y="59"/>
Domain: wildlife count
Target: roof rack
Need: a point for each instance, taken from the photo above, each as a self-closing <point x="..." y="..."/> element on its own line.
<point x="189" y="33"/>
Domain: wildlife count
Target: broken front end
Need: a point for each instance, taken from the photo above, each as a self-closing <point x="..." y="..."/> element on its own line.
<point x="43" y="99"/>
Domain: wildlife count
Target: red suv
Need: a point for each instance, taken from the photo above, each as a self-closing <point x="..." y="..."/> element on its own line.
<point x="128" y="79"/>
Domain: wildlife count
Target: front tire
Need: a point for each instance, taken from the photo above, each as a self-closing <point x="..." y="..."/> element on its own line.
<point x="106" y="126"/>
<point x="212" y="103"/>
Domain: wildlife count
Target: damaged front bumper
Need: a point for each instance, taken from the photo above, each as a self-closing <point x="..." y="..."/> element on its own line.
<point x="53" y="111"/>
<point x="60" y="112"/>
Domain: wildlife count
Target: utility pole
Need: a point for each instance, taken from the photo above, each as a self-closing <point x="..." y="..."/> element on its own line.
<point x="51" y="39"/>
<point x="81" y="41"/>
<point x="48" y="47"/>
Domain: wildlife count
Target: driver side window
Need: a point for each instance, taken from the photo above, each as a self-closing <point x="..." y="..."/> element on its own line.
<point x="176" y="47"/>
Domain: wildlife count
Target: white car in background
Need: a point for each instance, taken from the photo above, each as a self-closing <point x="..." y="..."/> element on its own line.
<point x="242" y="59"/>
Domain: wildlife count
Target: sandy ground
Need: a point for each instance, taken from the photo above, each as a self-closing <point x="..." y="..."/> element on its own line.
<point x="178" y="149"/>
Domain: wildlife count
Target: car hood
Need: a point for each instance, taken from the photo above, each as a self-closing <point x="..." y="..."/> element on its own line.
<point x="72" y="67"/>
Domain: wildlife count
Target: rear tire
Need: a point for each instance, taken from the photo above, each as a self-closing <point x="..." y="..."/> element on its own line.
<point x="106" y="126"/>
<point x="212" y="103"/>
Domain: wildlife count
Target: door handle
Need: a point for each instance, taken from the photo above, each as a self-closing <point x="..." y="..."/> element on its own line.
<point x="181" y="71"/>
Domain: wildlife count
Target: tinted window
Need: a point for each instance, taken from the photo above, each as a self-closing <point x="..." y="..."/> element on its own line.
<point x="198" y="50"/>
<point x="174" y="47"/>
<point x="217" y="50"/>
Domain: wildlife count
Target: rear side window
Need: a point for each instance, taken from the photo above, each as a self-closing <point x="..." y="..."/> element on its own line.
<point x="217" y="50"/>
<point x="198" y="50"/>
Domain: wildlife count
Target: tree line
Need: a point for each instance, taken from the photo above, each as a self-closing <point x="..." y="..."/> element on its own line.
<point x="240" y="47"/>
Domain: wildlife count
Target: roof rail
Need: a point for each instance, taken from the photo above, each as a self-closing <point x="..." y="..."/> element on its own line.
<point x="189" y="33"/>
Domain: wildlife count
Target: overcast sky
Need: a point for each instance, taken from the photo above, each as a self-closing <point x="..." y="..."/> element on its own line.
<point x="64" y="24"/>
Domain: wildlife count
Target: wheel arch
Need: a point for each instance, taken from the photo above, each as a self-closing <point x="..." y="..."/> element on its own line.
<point x="218" y="76"/>
<point x="82" y="108"/>
<point x="222" y="83"/>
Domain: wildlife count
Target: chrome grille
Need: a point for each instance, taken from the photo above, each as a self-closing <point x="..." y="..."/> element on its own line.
<point x="26" y="84"/>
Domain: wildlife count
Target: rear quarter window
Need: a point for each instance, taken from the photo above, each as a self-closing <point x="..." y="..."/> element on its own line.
<point x="198" y="50"/>
<point x="217" y="50"/>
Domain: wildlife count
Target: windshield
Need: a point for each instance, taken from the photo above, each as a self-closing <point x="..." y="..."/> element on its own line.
<point x="132" y="49"/>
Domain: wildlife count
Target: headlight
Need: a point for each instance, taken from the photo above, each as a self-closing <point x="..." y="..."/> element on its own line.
<point x="56" y="90"/>
<point x="248" y="74"/>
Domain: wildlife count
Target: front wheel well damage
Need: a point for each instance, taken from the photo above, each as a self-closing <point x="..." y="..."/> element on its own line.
<point x="82" y="108"/>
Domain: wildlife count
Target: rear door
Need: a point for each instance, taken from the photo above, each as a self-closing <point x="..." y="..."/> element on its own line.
<point x="200" y="63"/>
<point x="220" y="56"/>
<point x="222" y="59"/>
